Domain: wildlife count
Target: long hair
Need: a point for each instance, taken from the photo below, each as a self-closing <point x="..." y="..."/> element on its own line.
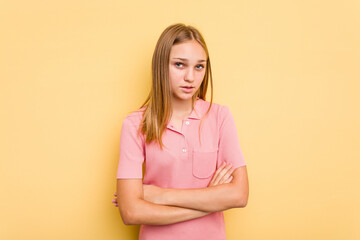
<point x="158" y="108"/>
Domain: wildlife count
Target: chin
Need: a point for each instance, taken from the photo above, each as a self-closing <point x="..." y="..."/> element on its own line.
<point x="184" y="97"/>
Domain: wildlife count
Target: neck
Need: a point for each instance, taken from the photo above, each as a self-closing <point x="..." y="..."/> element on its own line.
<point x="181" y="108"/>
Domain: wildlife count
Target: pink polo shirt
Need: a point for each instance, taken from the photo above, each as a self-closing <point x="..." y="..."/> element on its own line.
<point x="184" y="164"/>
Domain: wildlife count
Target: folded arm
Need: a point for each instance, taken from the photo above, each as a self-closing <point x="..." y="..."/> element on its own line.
<point x="135" y="210"/>
<point x="211" y="199"/>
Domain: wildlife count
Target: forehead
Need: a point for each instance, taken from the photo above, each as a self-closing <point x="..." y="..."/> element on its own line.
<point x="190" y="49"/>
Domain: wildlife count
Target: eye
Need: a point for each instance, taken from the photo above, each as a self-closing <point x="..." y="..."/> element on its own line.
<point x="179" y="64"/>
<point x="200" y="66"/>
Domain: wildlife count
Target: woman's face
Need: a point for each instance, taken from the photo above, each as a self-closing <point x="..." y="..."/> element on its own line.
<point x="186" y="69"/>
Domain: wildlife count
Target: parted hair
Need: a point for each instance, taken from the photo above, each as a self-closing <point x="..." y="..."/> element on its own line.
<point x="158" y="108"/>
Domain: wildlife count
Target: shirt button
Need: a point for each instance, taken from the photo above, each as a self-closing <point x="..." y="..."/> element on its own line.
<point x="187" y="122"/>
<point x="184" y="150"/>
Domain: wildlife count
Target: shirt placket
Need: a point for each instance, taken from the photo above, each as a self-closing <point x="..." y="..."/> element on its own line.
<point x="184" y="146"/>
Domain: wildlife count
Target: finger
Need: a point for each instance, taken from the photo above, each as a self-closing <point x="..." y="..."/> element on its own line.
<point x="226" y="179"/>
<point x="229" y="179"/>
<point x="217" y="173"/>
<point x="222" y="173"/>
<point x="227" y="175"/>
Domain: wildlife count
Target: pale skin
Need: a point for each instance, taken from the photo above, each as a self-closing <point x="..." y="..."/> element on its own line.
<point x="187" y="65"/>
<point x="151" y="205"/>
<point x="148" y="204"/>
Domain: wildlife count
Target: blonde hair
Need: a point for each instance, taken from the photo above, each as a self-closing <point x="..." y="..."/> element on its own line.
<point x="158" y="106"/>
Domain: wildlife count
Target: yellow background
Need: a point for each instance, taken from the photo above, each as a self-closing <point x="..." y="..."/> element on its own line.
<point x="70" y="71"/>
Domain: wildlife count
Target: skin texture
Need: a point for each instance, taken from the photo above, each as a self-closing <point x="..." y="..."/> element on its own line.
<point x="211" y="199"/>
<point x="154" y="194"/>
<point x="187" y="65"/>
<point x="225" y="191"/>
<point x="134" y="209"/>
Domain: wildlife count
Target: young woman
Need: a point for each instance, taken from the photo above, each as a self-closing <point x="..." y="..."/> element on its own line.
<point x="194" y="166"/>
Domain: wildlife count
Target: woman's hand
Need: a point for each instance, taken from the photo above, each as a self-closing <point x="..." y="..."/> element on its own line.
<point x="222" y="175"/>
<point x="114" y="201"/>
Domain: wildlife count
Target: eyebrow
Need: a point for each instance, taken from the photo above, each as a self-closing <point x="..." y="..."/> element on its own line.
<point x="185" y="60"/>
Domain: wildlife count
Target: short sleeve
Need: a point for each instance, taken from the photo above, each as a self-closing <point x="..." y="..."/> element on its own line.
<point x="229" y="146"/>
<point x="131" y="155"/>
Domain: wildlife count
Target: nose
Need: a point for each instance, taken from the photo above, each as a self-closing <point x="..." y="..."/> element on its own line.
<point x="189" y="75"/>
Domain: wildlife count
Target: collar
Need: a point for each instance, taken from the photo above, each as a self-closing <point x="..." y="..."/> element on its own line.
<point x="195" y="113"/>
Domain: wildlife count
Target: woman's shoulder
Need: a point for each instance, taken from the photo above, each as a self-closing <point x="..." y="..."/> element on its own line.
<point x="219" y="114"/>
<point x="135" y="116"/>
<point x="216" y="108"/>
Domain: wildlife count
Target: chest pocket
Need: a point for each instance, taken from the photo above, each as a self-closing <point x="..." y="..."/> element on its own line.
<point x="204" y="163"/>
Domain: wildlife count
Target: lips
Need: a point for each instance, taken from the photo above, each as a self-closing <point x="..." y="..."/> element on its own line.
<point x="187" y="89"/>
